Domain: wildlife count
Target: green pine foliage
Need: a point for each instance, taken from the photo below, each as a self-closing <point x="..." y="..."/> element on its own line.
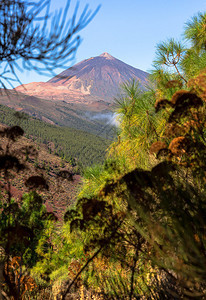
<point x="143" y="211"/>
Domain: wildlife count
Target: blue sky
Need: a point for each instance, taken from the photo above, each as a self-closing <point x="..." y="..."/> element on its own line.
<point x="128" y="30"/>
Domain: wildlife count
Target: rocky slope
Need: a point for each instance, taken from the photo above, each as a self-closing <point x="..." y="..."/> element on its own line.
<point x="63" y="183"/>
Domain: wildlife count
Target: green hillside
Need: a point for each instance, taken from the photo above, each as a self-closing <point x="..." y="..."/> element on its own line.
<point x="78" y="147"/>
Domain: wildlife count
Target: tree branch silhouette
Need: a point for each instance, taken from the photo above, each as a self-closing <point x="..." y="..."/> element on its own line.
<point x="36" y="39"/>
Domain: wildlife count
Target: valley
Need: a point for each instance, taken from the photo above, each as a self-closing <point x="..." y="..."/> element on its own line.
<point x="69" y="120"/>
<point x="79" y="147"/>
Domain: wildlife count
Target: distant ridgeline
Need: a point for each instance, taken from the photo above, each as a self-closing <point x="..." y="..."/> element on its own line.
<point x="79" y="147"/>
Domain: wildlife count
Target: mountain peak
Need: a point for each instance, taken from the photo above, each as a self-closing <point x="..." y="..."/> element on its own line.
<point x="106" y="55"/>
<point x="95" y="79"/>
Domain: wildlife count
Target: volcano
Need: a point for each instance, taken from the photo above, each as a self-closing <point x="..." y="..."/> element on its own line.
<point x="96" y="79"/>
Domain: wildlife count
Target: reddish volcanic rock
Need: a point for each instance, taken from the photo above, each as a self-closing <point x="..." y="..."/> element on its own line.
<point x="15" y="193"/>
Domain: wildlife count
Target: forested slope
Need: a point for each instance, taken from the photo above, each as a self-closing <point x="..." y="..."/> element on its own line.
<point x="73" y="115"/>
<point x="77" y="146"/>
